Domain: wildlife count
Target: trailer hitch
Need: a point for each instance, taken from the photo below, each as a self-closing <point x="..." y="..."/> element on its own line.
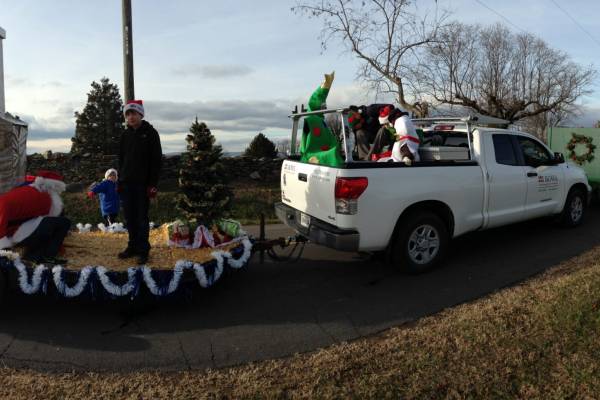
<point x="264" y="245"/>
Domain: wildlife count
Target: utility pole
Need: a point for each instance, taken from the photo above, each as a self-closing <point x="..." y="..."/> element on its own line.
<point x="2" y="104"/>
<point x="128" y="51"/>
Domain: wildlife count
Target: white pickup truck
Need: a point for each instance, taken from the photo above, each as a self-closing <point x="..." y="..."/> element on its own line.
<point x="479" y="178"/>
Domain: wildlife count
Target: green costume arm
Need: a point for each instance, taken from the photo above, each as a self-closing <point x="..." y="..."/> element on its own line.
<point x="319" y="143"/>
<point x="317" y="98"/>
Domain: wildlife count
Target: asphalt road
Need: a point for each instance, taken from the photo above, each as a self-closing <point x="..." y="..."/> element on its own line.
<point x="277" y="309"/>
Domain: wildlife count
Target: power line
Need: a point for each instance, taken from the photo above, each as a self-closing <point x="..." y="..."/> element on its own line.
<point x="575" y="22"/>
<point x="500" y="15"/>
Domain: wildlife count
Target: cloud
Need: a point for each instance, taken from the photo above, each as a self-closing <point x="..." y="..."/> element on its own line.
<point x="54" y="84"/>
<point x="235" y="115"/>
<point x="61" y="121"/>
<point x="56" y="145"/>
<point x="18" y="81"/>
<point x="233" y="122"/>
<point x="213" y="71"/>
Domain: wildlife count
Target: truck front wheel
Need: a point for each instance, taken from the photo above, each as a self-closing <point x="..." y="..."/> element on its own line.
<point x="421" y="242"/>
<point x="575" y="207"/>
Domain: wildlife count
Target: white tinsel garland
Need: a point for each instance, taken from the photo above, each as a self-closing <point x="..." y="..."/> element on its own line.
<point x="78" y="288"/>
<point x="117" y="290"/>
<point x="218" y="255"/>
<point x="34" y="286"/>
<point x="240" y="262"/>
<point x="201" y="275"/>
<point x="36" y="277"/>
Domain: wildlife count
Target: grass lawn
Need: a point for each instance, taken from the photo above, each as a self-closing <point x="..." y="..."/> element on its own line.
<point x="248" y="203"/>
<point x="538" y="340"/>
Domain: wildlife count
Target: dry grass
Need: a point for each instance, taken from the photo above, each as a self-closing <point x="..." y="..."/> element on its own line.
<point x="539" y="340"/>
<point x="98" y="248"/>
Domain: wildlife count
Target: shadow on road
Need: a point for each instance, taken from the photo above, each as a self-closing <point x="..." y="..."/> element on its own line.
<point x="275" y="309"/>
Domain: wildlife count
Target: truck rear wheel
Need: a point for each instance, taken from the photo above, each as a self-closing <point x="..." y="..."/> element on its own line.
<point x="575" y="207"/>
<point x="421" y="243"/>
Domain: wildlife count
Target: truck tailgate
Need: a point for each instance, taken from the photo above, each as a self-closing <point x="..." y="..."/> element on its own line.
<point x="310" y="189"/>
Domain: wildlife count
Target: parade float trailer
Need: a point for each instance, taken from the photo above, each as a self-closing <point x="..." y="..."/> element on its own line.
<point x="93" y="270"/>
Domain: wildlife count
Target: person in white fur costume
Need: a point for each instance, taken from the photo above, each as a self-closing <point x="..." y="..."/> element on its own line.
<point x="406" y="148"/>
<point x="30" y="216"/>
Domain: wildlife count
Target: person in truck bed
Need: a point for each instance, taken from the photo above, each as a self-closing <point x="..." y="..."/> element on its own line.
<point x="385" y="137"/>
<point x="364" y="121"/>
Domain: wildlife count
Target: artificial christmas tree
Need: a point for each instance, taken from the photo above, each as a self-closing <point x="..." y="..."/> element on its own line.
<point x="98" y="128"/>
<point x="204" y="194"/>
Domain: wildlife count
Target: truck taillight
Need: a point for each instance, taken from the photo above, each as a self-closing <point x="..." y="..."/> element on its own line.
<point x="347" y="192"/>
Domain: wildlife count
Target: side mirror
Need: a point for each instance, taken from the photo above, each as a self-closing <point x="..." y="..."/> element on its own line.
<point x="559" y="158"/>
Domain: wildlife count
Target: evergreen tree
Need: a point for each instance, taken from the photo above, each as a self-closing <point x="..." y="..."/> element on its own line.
<point x="261" y="146"/>
<point x="100" y="125"/>
<point x="204" y="195"/>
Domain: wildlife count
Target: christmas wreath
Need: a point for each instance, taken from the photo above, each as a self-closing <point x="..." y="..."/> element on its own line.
<point x="588" y="156"/>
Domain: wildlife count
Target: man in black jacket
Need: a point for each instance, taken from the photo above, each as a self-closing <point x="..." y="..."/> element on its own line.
<point x="140" y="158"/>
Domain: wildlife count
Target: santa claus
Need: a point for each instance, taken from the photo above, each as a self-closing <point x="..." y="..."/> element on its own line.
<point x="30" y="217"/>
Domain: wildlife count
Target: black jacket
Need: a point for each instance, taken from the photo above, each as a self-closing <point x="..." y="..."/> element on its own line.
<point x="140" y="155"/>
<point x="370" y="114"/>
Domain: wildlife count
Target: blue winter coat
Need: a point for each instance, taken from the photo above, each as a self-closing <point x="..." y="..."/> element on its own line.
<point x="109" y="198"/>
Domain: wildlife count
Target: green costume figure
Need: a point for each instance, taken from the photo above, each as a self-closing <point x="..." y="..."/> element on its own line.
<point x="319" y="145"/>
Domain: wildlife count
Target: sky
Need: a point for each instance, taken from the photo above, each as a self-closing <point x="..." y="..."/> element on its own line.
<point x="238" y="66"/>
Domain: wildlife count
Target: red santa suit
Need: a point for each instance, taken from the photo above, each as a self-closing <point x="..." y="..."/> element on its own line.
<point x="406" y="135"/>
<point x="23" y="208"/>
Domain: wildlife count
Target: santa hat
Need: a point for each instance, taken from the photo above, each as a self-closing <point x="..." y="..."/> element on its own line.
<point x="49" y="175"/>
<point x="135" y="105"/>
<point x="109" y="172"/>
<point x="24" y="207"/>
<point x="52" y="183"/>
<point x="384" y="115"/>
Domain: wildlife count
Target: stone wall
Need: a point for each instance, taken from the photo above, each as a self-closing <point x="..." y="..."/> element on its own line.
<point x="81" y="170"/>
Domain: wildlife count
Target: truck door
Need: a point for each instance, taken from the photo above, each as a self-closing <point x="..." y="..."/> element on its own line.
<point x="544" y="178"/>
<point x="507" y="183"/>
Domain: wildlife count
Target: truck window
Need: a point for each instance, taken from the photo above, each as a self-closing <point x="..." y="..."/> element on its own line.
<point x="534" y="153"/>
<point x="504" y="151"/>
<point x="458" y="141"/>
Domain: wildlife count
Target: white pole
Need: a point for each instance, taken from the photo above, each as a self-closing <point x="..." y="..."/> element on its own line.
<point x="2" y="104"/>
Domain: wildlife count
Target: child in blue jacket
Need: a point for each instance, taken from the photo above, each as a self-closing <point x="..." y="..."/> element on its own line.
<point x="109" y="197"/>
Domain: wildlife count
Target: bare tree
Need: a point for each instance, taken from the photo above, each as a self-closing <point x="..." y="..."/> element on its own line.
<point x="539" y="123"/>
<point x="388" y="36"/>
<point x="514" y="76"/>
